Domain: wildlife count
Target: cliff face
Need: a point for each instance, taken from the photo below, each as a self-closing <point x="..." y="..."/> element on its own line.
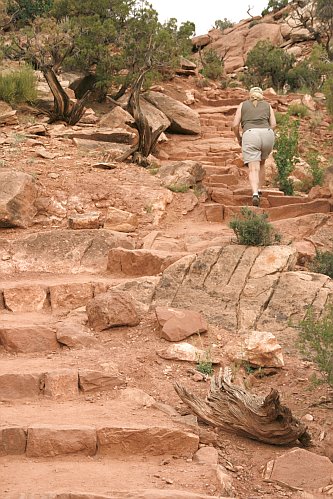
<point x="282" y="29"/>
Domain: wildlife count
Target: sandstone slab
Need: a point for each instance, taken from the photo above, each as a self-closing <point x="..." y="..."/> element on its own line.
<point x="90" y="220"/>
<point x="300" y="469"/>
<point x="101" y="380"/>
<point x="25" y="298"/>
<point x="182" y="351"/>
<point x="19" y="386"/>
<point x="62" y="384"/>
<point x="140" y="262"/>
<point x="63" y="251"/>
<point x="28" y="339"/>
<point x="206" y="455"/>
<point x="74" y="335"/>
<point x="18" y="193"/>
<point x="13" y="441"/>
<point x="178" y="325"/>
<point x="50" y="441"/>
<point x="70" y="296"/>
<point x="120" y="220"/>
<point x="153" y="441"/>
<point x="112" y="309"/>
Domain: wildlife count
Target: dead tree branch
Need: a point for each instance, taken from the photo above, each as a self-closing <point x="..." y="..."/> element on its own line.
<point x="235" y="410"/>
<point x="147" y="138"/>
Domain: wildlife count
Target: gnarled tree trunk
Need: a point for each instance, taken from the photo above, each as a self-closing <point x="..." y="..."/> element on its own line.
<point x="233" y="409"/>
<point x="147" y="138"/>
<point x="64" y="109"/>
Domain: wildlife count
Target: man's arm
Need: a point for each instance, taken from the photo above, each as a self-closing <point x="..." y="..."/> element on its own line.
<point x="236" y="124"/>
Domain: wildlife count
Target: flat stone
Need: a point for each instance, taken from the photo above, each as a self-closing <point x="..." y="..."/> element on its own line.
<point x="112" y="309"/>
<point x="51" y="441"/>
<point x="301" y="469"/>
<point x="178" y="325"/>
<point x="206" y="455"/>
<point x="28" y="339"/>
<point x="25" y="298"/>
<point x="137" y="397"/>
<point x="19" y="386"/>
<point x="182" y="351"/>
<point x="70" y="296"/>
<point x="62" y="384"/>
<point x="120" y="220"/>
<point x="85" y="221"/>
<point x="101" y="380"/>
<point x="13" y="441"/>
<point x="140" y="262"/>
<point x="74" y="335"/>
<point x="152" y="441"/>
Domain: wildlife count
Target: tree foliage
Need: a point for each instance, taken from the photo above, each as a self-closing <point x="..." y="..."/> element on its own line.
<point x="274" y="6"/>
<point x="223" y="24"/>
<point x="267" y="66"/>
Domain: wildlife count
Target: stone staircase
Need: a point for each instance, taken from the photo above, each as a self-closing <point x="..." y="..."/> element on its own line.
<point x="71" y="425"/>
<point x="226" y="178"/>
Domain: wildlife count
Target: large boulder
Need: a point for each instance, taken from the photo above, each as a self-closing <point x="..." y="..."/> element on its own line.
<point x="18" y="193"/>
<point x="183" y="119"/>
<point x="155" y="116"/>
<point x="244" y="288"/>
<point x="112" y="309"/>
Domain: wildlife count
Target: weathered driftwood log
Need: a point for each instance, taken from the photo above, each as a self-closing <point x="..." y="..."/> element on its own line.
<point x="64" y="109"/>
<point x="147" y="138"/>
<point x="233" y="409"/>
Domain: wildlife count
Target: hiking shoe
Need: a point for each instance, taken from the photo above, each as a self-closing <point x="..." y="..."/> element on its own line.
<point x="255" y="200"/>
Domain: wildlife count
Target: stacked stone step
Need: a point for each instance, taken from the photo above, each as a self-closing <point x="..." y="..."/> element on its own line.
<point x="62" y="396"/>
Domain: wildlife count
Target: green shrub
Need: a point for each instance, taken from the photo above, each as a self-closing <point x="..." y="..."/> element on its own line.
<point x="316" y="340"/>
<point x="298" y="110"/>
<point x="212" y="65"/>
<point x="274" y="6"/>
<point x="18" y="86"/>
<point x="253" y="229"/>
<point x="317" y="171"/>
<point x="223" y="24"/>
<point x="205" y="364"/>
<point x="267" y="66"/>
<point x="328" y="91"/>
<point x="323" y="263"/>
<point x="285" y="152"/>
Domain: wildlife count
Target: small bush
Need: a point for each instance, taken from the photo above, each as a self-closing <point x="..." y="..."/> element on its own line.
<point x="328" y="91"/>
<point x="18" y="86"/>
<point x="205" y="364"/>
<point x="212" y="65"/>
<point x="223" y="24"/>
<point x="323" y="263"/>
<point x="316" y="340"/>
<point x="317" y="171"/>
<point x="285" y="152"/>
<point x="267" y="66"/>
<point x="274" y="6"/>
<point x="254" y="230"/>
<point x="298" y="110"/>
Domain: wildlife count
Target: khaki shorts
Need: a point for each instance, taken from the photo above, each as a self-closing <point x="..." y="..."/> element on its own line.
<point x="257" y="144"/>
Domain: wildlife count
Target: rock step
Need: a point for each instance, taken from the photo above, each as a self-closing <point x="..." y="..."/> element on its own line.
<point x="224" y="178"/>
<point x="117" y="427"/>
<point x="106" y="478"/>
<point x="59" y="379"/>
<point x="228" y="197"/>
<point x="69" y="292"/>
<point x="221" y="213"/>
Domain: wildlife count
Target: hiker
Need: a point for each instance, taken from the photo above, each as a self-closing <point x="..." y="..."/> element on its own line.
<point x="257" y="119"/>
